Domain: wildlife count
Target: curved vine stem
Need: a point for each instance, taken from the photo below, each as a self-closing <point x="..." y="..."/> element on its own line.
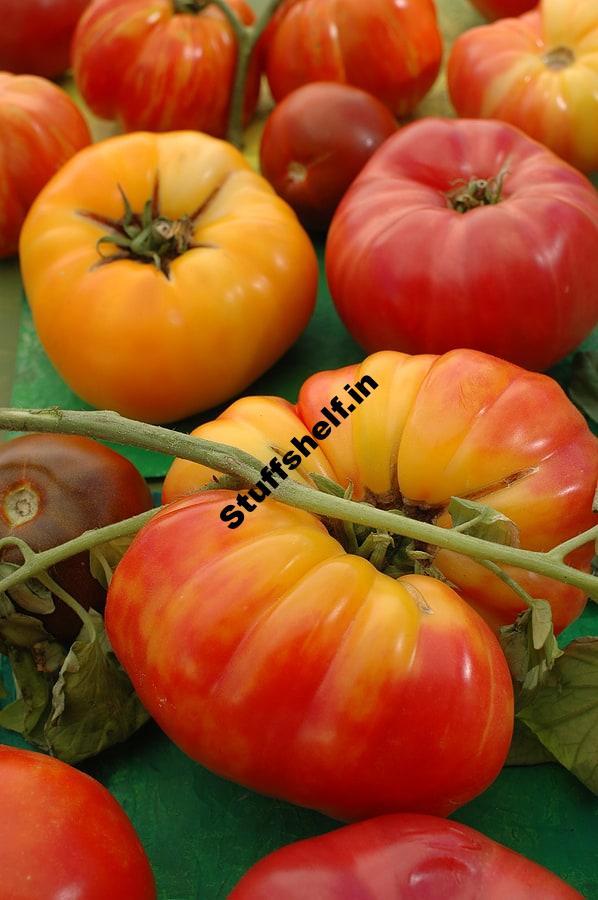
<point x="247" y="37"/>
<point x="232" y="461"/>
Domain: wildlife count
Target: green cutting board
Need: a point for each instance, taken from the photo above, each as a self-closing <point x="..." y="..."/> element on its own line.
<point x="202" y="833"/>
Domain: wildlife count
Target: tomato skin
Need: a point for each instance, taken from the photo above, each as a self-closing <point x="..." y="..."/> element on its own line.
<point x="40" y="129"/>
<point x="316" y="141"/>
<point x="390" y="50"/>
<point x="277" y="660"/>
<point x="500" y="9"/>
<point x="463" y="424"/>
<point x="501" y="71"/>
<point x="67" y="485"/>
<point x="413" y="857"/>
<point x="124" y="335"/>
<point x="142" y="63"/>
<point x="63" y="834"/>
<point x="36" y="35"/>
<point x="407" y="272"/>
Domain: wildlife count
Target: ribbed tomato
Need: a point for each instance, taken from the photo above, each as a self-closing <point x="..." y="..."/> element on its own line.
<point x="278" y="660"/>
<point x="463" y="424"/>
<point x="35" y="37"/>
<point x="161" y="65"/>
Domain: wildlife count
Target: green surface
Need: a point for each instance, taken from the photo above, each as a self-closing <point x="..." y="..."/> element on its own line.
<point x="201" y="833"/>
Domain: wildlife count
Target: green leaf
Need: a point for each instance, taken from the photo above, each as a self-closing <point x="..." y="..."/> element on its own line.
<point x="93" y="702"/>
<point x="104" y="558"/>
<point x="563" y="712"/>
<point x="481" y="521"/>
<point x="526" y="749"/>
<point x="26" y="715"/>
<point x="583" y="383"/>
<point x="327" y="485"/>
<point x="33" y="596"/>
<point x="22" y="631"/>
<point x="530" y="645"/>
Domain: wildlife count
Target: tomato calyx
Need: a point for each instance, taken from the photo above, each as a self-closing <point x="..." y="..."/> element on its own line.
<point x="20" y="504"/>
<point x="559" y="58"/>
<point x="149" y="236"/>
<point x="477" y="192"/>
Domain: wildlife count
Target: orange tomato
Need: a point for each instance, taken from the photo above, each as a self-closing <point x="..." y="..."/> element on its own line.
<point x="464" y="424"/>
<point x="538" y="72"/>
<point x="219" y="284"/>
<point x="40" y="128"/>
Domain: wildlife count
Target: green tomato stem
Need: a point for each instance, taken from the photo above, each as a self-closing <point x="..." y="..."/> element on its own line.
<point x="247" y="37"/>
<point x="110" y="426"/>
<point x="514" y="585"/>
<point x="70" y="601"/>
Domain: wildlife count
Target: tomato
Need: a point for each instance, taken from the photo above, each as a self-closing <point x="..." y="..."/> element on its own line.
<point x="466" y="234"/>
<point x="40" y="128"/>
<point x="497" y="9"/>
<point x="36" y="34"/>
<point x="212" y="293"/>
<point x="276" y="659"/>
<point x="316" y="141"/>
<point x="391" y="50"/>
<point x="161" y="65"/>
<point x="411" y="857"/>
<point x="62" y="834"/>
<point x="52" y="489"/>
<point x="460" y="425"/>
<point x="539" y="73"/>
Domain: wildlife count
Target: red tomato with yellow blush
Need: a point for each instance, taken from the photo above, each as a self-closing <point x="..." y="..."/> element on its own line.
<point x="316" y="141"/>
<point x="161" y="65"/>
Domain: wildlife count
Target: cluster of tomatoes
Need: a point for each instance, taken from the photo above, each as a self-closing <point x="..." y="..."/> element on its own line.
<point x="164" y="276"/>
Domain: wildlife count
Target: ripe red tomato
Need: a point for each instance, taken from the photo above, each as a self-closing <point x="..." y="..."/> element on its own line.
<point x="499" y="9"/>
<point x="411" y="857"/>
<point x="63" y="835"/>
<point x="537" y="72"/>
<point x="35" y="37"/>
<point x="460" y="425"/>
<point x="52" y="489"/>
<point x="391" y="50"/>
<point x="159" y="65"/>
<point x="40" y="128"/>
<point x="463" y="233"/>
<point x="278" y="660"/>
<point x="316" y="141"/>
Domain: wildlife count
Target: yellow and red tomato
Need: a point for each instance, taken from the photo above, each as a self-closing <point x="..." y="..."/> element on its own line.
<point x="216" y="288"/>
<point x="463" y="424"/>
<point x="538" y="72"/>
<point x="161" y="65"/>
<point x="40" y="129"/>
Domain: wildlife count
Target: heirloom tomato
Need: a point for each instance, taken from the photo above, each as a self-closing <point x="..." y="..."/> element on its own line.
<point x="463" y="424"/>
<point x="400" y="857"/>
<point x="316" y="141"/>
<point x="63" y="835"/>
<point x="163" y="274"/>
<point x="35" y="37"/>
<point x="161" y="65"/>
<point x="391" y="50"/>
<point x="465" y="233"/>
<point x="52" y="489"/>
<point x="40" y="128"/>
<point x="538" y="72"/>
<point x="278" y="660"/>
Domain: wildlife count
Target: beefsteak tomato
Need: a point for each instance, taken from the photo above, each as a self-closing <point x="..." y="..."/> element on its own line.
<point x="163" y="274"/>
<point x="277" y="660"/>
<point x="63" y="835"/>
<point x="391" y="50"/>
<point x="538" y="72"/>
<point x="36" y="35"/>
<point x="411" y="857"/>
<point x="40" y="129"/>
<point x="316" y="141"/>
<point x="161" y="65"/>
<point x="52" y="489"/>
<point x="463" y="424"/>
<point x="465" y="233"/>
